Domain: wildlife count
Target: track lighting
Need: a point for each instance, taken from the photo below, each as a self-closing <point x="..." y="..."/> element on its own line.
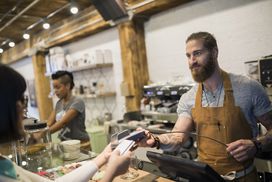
<point x="46" y="25"/>
<point x="72" y="6"/>
<point x="11" y="44"/>
<point x="74" y="10"/>
<point x="26" y="36"/>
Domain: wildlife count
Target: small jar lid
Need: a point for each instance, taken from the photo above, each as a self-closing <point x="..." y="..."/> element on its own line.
<point x="35" y="126"/>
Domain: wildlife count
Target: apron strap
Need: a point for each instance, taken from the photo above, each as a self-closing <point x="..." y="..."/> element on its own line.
<point x="227" y="89"/>
<point x="198" y="101"/>
<point x="228" y="98"/>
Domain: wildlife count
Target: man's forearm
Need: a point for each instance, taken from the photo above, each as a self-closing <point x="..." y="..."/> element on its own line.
<point x="171" y="142"/>
<point x="174" y="141"/>
<point x="266" y="141"/>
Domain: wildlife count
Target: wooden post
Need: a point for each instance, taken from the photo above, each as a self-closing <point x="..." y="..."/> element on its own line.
<point x="134" y="61"/>
<point x="42" y="86"/>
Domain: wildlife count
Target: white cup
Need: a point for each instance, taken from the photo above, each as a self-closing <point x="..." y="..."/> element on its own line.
<point x="71" y="149"/>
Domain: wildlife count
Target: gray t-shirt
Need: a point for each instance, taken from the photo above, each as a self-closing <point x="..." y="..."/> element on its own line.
<point x="76" y="128"/>
<point x="249" y="95"/>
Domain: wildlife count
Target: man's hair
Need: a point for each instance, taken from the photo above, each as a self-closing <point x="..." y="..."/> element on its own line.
<point x="12" y="88"/>
<point x="65" y="77"/>
<point x="209" y="41"/>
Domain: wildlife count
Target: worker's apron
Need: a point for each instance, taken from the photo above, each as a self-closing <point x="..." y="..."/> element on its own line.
<point x="225" y="124"/>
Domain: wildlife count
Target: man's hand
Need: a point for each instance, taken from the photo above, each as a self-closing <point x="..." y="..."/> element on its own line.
<point x="241" y="150"/>
<point x="148" y="141"/>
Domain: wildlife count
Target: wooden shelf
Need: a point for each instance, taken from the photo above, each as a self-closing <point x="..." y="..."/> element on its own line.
<point x="93" y="66"/>
<point x="93" y="96"/>
<point x="87" y="67"/>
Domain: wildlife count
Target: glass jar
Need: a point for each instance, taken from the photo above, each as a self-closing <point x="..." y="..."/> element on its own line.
<point x="37" y="145"/>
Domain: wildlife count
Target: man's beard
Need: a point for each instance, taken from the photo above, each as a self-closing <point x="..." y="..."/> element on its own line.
<point x="204" y="72"/>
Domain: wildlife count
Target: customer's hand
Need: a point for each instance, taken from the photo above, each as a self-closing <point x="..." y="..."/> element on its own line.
<point x="241" y="150"/>
<point x="148" y="141"/>
<point x="103" y="157"/>
<point x="117" y="164"/>
<point x="35" y="138"/>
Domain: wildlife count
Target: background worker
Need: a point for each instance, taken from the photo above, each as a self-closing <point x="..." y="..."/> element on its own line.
<point x="69" y="113"/>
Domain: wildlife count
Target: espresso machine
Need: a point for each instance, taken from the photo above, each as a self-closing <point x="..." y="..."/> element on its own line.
<point x="265" y="74"/>
<point x="159" y="109"/>
<point x="262" y="71"/>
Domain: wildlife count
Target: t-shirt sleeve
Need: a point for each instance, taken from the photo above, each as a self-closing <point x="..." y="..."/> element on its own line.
<point x="186" y="103"/>
<point x="78" y="105"/>
<point x="260" y="99"/>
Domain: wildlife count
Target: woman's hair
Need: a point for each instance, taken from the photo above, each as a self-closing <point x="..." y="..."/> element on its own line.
<point x="12" y="88"/>
<point x="65" y="77"/>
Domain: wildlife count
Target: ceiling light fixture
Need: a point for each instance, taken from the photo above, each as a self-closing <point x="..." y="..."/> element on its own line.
<point x="1" y="50"/>
<point x="11" y="44"/>
<point x="46" y="25"/>
<point x="74" y="10"/>
<point x="26" y="36"/>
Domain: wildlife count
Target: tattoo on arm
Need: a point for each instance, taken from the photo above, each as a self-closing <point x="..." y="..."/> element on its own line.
<point x="266" y="120"/>
<point x="266" y="140"/>
<point x="171" y="142"/>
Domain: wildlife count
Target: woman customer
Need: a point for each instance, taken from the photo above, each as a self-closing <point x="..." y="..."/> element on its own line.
<point x="12" y="88"/>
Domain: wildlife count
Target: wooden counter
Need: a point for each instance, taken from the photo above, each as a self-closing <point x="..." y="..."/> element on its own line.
<point x="143" y="177"/>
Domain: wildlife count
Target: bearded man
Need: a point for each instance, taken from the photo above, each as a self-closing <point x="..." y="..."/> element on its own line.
<point x="224" y="107"/>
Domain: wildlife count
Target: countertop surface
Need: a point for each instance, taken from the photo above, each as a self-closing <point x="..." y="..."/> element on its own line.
<point x="143" y="176"/>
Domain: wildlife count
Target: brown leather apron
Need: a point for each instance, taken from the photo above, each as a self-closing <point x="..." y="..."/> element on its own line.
<point x="225" y="124"/>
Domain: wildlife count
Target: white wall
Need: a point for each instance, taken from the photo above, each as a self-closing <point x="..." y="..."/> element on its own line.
<point x="241" y="27"/>
<point x="25" y="68"/>
<point x="108" y="39"/>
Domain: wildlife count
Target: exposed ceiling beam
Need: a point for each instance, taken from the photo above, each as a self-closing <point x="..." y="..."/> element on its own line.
<point x="19" y="14"/>
<point x="23" y="16"/>
<point x="85" y="24"/>
<point x="11" y="10"/>
<point x="5" y="38"/>
<point x="48" y="16"/>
